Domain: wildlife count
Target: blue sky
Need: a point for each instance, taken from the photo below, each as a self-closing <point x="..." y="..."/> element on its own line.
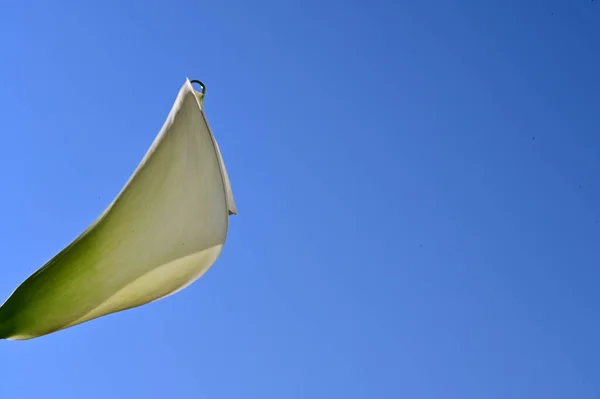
<point x="417" y="186"/>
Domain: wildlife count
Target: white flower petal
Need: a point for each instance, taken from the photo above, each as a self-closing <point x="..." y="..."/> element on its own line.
<point x="163" y="231"/>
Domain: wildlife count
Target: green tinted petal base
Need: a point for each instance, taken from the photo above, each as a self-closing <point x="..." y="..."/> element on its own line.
<point x="163" y="231"/>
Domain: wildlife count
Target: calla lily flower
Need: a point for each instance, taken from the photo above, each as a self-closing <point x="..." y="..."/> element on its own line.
<point x="163" y="231"/>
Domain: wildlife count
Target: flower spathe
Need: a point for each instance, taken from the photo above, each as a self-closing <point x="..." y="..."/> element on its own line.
<point x="163" y="231"/>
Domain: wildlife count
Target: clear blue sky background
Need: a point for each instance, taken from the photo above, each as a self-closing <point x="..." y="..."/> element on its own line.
<point x="417" y="184"/>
